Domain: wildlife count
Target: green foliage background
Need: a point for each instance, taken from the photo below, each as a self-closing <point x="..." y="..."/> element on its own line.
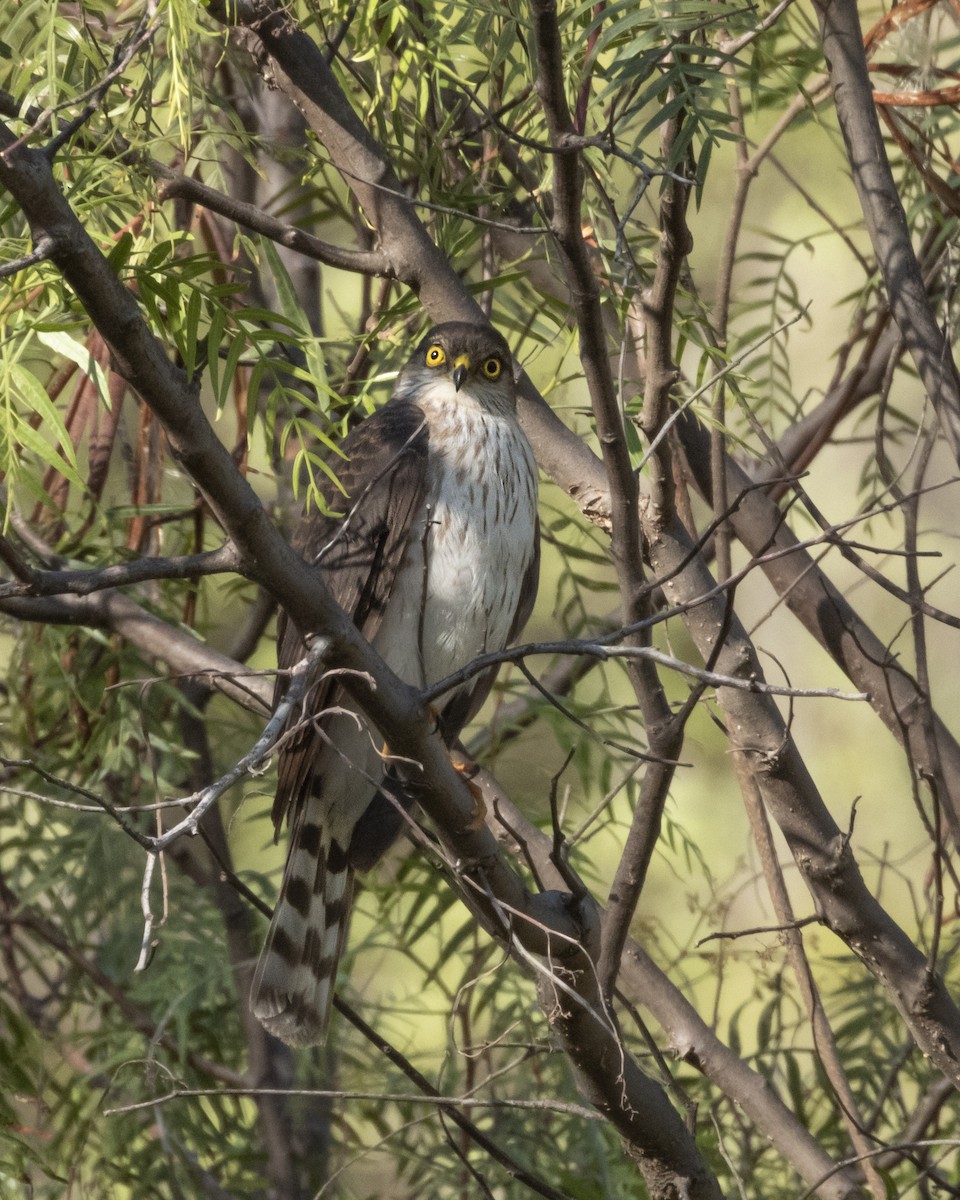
<point x="77" y="1069"/>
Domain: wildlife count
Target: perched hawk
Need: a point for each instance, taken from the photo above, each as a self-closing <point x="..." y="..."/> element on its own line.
<point x="436" y="559"/>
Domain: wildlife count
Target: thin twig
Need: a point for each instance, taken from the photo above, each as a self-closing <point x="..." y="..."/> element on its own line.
<point x="141" y="570"/>
<point x="604" y="650"/>
<point x="733" y="934"/>
<point x="42" y="250"/>
<point x="433" y="1100"/>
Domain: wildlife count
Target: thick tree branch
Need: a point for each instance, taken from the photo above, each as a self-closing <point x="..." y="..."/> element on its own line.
<point x="830" y="618"/>
<point x="820" y="849"/>
<point x="883" y="214"/>
<point x="155" y="638"/>
<point x="140" y="570"/>
<point x="690" y="1036"/>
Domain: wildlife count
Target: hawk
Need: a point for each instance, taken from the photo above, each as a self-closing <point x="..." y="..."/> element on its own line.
<point x="436" y="558"/>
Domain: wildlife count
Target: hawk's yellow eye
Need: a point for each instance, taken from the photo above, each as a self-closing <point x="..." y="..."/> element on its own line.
<point x="492" y="368"/>
<point x="435" y="357"/>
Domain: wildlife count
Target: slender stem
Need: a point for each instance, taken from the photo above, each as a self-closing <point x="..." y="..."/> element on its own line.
<point x="824" y="1041"/>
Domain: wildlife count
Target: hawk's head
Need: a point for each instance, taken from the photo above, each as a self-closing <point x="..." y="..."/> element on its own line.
<point x="459" y="363"/>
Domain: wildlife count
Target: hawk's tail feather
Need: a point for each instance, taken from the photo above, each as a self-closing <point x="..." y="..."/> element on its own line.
<point x="293" y="986"/>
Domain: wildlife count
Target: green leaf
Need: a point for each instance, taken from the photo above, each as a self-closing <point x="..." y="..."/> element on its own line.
<point x="291" y="309"/>
<point x="67" y="347"/>
<point x="62" y="457"/>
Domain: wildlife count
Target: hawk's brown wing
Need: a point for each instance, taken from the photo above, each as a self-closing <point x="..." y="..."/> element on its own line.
<point x="384" y="476"/>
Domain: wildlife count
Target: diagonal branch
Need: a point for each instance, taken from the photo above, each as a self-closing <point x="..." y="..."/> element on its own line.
<point x="830" y="618"/>
<point x="690" y="1036"/>
<point x="883" y="214"/>
<point x="182" y="187"/>
<point x="820" y="849"/>
<point x="156" y="639"/>
<point x="15" y="912"/>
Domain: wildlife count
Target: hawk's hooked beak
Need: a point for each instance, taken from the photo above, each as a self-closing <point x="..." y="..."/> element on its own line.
<point x="461" y="366"/>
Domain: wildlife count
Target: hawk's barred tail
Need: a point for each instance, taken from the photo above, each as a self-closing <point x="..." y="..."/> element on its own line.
<point x="293" y="985"/>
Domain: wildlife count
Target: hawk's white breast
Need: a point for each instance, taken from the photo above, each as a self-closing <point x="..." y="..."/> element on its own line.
<point x="472" y="543"/>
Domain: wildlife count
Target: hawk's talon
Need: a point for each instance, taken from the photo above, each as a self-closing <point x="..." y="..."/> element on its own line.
<point x="437" y="714"/>
<point x="467" y="768"/>
<point x="479" y="818"/>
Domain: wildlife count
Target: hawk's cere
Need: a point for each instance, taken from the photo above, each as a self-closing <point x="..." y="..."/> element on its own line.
<point x="436" y="559"/>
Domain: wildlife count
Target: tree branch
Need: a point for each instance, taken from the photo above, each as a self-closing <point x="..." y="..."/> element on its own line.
<point x="362" y="262"/>
<point x="829" y="617"/>
<point x="691" y="1037"/>
<point x="820" y="849"/>
<point x="140" y="570"/>
<point x="663" y="733"/>
<point x="883" y="214"/>
<point x="18" y="913"/>
<point x="180" y="652"/>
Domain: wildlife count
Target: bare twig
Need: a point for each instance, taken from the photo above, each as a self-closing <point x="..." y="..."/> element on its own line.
<point x="40" y="253"/>
<point x="428" y="1097"/>
<point x="363" y="262"/>
<point x="605" y="648"/>
<point x="141" y="570"/>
